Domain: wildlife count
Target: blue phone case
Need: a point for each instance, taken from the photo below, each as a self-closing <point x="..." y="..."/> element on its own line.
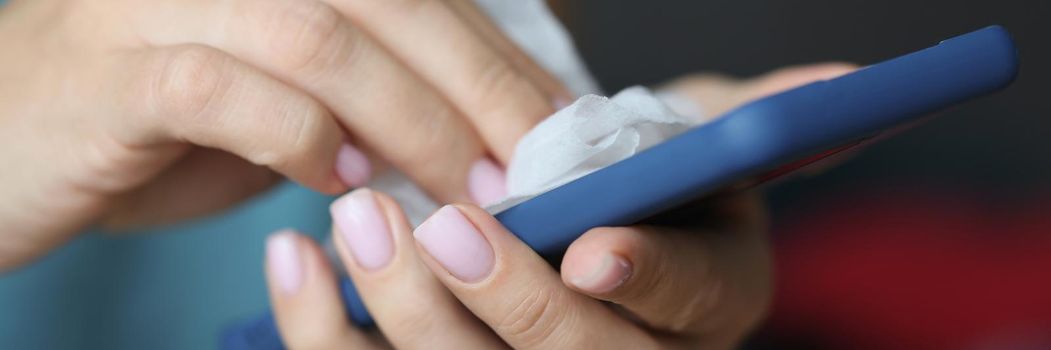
<point x="757" y="141"/>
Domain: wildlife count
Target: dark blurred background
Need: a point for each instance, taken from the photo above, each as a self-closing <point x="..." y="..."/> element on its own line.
<point x="935" y="238"/>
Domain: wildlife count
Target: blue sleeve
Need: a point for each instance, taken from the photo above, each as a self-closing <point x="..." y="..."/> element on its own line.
<point x="171" y="288"/>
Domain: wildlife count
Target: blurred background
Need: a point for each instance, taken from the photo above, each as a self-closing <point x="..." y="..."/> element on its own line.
<point x="938" y="238"/>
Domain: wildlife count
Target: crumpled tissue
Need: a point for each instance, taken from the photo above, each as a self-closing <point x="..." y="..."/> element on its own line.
<point x="589" y="135"/>
<point x="586" y="136"/>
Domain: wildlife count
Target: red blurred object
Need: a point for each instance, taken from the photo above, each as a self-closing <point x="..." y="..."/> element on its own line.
<point x="916" y="269"/>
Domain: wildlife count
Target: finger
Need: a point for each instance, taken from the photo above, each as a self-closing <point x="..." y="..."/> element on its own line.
<point x="410" y="306"/>
<point x="202" y="96"/>
<point x="382" y="103"/>
<point x="204" y="181"/>
<point x="501" y="102"/>
<point x="790" y="77"/>
<point x="492" y="34"/>
<point x="305" y="296"/>
<point x="513" y="290"/>
<point x="717" y="94"/>
<point x="684" y="281"/>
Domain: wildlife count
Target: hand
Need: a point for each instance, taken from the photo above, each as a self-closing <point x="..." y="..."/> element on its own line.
<point x="463" y="281"/>
<point x="696" y="277"/>
<point x="127" y="113"/>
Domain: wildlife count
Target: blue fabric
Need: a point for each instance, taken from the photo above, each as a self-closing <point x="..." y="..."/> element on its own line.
<point x="171" y="288"/>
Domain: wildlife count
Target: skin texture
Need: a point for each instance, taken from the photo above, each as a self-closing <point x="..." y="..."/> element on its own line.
<point x="696" y="277"/>
<point x="128" y="113"/>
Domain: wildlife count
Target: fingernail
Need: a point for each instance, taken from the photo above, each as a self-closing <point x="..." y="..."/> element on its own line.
<point x="486" y="182"/>
<point x="364" y="229"/>
<point x="352" y="166"/>
<point x="604" y="274"/>
<point x="456" y="244"/>
<point x="282" y="255"/>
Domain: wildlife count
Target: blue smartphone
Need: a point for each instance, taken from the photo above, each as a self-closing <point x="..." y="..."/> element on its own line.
<point x="756" y="142"/>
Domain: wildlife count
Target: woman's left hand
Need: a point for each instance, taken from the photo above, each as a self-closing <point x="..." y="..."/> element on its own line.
<point x="461" y="280"/>
<point x="698" y="277"/>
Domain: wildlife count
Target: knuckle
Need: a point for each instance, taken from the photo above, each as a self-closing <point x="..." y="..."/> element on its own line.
<point x="496" y="82"/>
<point x="434" y="131"/>
<point x="295" y="135"/>
<point x="535" y="318"/>
<point x="418" y="329"/>
<point x="189" y="82"/>
<point x="309" y="37"/>
<point x="100" y="164"/>
<point x="299" y="127"/>
<point x="697" y="309"/>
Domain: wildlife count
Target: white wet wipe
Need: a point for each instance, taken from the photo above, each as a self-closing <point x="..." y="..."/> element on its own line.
<point x="586" y="136"/>
<point x="589" y="135"/>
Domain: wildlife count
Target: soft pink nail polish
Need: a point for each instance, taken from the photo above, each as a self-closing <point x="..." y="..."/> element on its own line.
<point x="352" y="166"/>
<point x="486" y="182"/>
<point x="364" y="229"/>
<point x="282" y="256"/>
<point x="456" y="244"/>
<point x="603" y="275"/>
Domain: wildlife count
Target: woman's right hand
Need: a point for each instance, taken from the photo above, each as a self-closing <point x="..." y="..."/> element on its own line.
<point x="128" y="112"/>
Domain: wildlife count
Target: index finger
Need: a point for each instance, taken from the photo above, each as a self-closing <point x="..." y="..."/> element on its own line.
<point x="500" y="101"/>
<point x="513" y="290"/>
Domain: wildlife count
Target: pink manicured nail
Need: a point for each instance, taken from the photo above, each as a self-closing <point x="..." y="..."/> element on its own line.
<point x="456" y="244"/>
<point x="603" y="275"/>
<point x="352" y="166"/>
<point x="283" y="257"/>
<point x="364" y="229"/>
<point x="486" y="182"/>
